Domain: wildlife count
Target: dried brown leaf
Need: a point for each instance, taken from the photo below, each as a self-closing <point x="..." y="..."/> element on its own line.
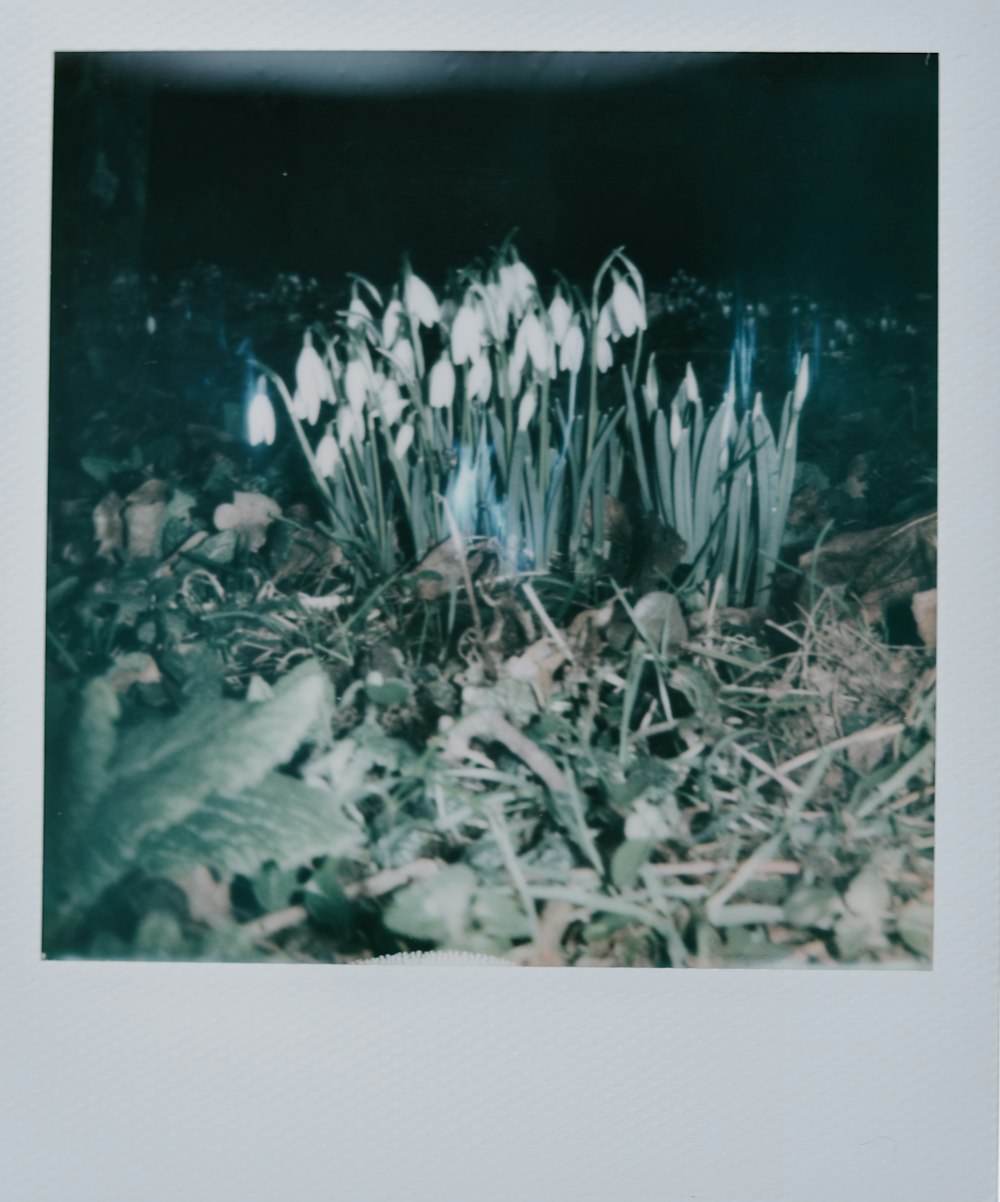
<point x="250" y="514"/>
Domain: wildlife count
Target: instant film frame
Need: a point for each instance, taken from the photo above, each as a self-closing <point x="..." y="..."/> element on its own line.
<point x="165" y="1081"/>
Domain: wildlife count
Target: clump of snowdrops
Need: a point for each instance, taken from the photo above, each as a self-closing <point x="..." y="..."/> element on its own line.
<point x="493" y="414"/>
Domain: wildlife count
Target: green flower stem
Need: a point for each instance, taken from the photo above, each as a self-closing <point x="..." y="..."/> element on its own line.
<point x="594" y="314"/>
<point x="543" y="450"/>
<point x="383" y="534"/>
<point x="350" y="457"/>
<point x="503" y="379"/>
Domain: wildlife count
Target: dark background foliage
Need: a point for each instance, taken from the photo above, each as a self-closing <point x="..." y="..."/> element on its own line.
<point x="815" y="172"/>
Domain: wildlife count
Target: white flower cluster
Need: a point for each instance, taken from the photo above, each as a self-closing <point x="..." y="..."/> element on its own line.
<point x="500" y="337"/>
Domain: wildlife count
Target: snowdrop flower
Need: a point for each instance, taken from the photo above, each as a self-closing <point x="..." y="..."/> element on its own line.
<point x="479" y="380"/>
<point x="628" y="308"/>
<point x="313" y="382"/>
<point x="359" y="316"/>
<point x="260" y="419"/>
<point x="535" y="340"/>
<point x="467" y="334"/>
<point x="420" y="301"/>
<point x="516" y="284"/>
<point x="494" y="311"/>
<point x="403" y="357"/>
<point x="442" y="383"/>
<point x="526" y="410"/>
<point x="404" y="439"/>
<point x="356" y="385"/>
<point x="390" y="322"/>
<point x="604" y="355"/>
<point x="393" y="401"/>
<point x="606" y="325"/>
<point x="519" y="353"/>
<point x="349" y="425"/>
<point x="801" y="385"/>
<point x="327" y="454"/>
<point x="560" y="315"/>
<point x="571" y="351"/>
<point x="150" y="324"/>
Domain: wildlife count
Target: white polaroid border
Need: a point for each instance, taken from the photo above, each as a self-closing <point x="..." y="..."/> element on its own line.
<point x="163" y="1082"/>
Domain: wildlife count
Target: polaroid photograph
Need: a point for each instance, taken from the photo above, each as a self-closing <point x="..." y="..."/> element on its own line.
<point x="447" y="559"/>
<point x="479" y="491"/>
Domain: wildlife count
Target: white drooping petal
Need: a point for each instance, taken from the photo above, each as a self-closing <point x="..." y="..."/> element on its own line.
<point x="479" y="380"/>
<point x="801" y="384"/>
<point x="519" y="352"/>
<point x="517" y="284"/>
<point x="390" y="322"/>
<point x="349" y="425"/>
<point x="495" y="312"/>
<point x="509" y="292"/>
<point x="313" y="383"/>
<point x="604" y="355"/>
<point x="403" y="441"/>
<point x="467" y="334"/>
<point x="537" y="341"/>
<point x="571" y="351"/>
<point x="628" y="309"/>
<point x="560" y="315"/>
<point x="526" y="409"/>
<point x="359" y="316"/>
<point x="260" y="419"/>
<point x="420" y="301"/>
<point x="327" y="454"/>
<point x="607" y="326"/>
<point x="758" y="405"/>
<point x="393" y="401"/>
<point x="305" y="407"/>
<point x="442" y="383"/>
<point x="406" y="363"/>
<point x="356" y="385"/>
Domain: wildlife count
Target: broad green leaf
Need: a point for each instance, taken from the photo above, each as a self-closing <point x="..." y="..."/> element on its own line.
<point x="279" y="818"/>
<point x="434" y="910"/>
<point x="916" y="926"/>
<point x="167" y="769"/>
<point x="629" y="860"/>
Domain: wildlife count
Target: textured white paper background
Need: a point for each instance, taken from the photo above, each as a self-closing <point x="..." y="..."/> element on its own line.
<point x="141" y="1083"/>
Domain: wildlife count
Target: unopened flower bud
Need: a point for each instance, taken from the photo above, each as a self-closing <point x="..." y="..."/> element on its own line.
<point x="691" y="385"/>
<point x="801" y="384"/>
